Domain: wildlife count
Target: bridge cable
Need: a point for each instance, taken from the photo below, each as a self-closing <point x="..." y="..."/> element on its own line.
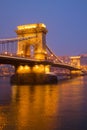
<point x="53" y="54"/>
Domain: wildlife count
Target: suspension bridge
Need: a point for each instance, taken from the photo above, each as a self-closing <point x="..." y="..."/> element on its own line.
<point x="29" y="52"/>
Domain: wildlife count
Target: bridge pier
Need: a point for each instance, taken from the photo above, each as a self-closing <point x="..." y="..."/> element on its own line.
<point x="37" y="74"/>
<point x="74" y="73"/>
<point x="33" y="78"/>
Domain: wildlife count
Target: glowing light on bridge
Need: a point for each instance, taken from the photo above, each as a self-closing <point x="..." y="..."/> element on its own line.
<point x="47" y="68"/>
<point x="38" y="69"/>
<point x="31" y="26"/>
<point x="23" y="69"/>
<point x="41" y="69"/>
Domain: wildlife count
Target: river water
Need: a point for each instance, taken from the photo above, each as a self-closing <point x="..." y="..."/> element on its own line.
<point x="44" y="107"/>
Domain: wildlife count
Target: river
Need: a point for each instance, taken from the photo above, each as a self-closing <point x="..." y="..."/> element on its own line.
<point x="44" y="107"/>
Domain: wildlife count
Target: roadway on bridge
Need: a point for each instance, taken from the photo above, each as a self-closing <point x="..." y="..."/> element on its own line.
<point x="17" y="60"/>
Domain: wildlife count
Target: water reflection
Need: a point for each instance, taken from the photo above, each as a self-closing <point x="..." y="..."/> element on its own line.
<point x="46" y="107"/>
<point x="5" y="91"/>
<point x="36" y="105"/>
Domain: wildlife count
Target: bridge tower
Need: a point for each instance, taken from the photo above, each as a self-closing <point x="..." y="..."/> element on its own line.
<point x="75" y="61"/>
<point x="35" y="47"/>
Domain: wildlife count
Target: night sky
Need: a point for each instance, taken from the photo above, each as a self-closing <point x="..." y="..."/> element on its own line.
<point x="66" y="21"/>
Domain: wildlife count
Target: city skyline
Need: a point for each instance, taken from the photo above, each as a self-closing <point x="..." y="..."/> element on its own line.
<point x="66" y="21"/>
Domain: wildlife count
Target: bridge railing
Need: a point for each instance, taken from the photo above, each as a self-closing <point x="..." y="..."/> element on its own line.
<point x="9" y="46"/>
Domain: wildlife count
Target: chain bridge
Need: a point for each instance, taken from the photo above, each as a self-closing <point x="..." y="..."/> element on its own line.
<point x="29" y="52"/>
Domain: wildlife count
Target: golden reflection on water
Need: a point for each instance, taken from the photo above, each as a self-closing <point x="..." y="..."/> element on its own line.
<point x="36" y="104"/>
<point x="44" y="107"/>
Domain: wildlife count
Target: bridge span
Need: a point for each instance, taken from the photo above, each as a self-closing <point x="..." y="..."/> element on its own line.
<point x="17" y="60"/>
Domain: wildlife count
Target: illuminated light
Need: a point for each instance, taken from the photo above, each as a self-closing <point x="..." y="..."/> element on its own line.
<point x="26" y="69"/>
<point x="30" y="26"/>
<point x="20" y="69"/>
<point x="23" y="69"/>
<point x="11" y="54"/>
<point x="45" y="52"/>
<point x="74" y="57"/>
<point x="21" y="52"/>
<point x="6" y="52"/>
<point x="47" y="69"/>
<point x="43" y="25"/>
<point x="51" y="54"/>
<point x="39" y="69"/>
<point x="37" y="66"/>
<point x="75" y="72"/>
<point x="26" y="27"/>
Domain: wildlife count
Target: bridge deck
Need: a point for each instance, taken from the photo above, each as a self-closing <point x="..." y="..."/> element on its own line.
<point x="17" y="60"/>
